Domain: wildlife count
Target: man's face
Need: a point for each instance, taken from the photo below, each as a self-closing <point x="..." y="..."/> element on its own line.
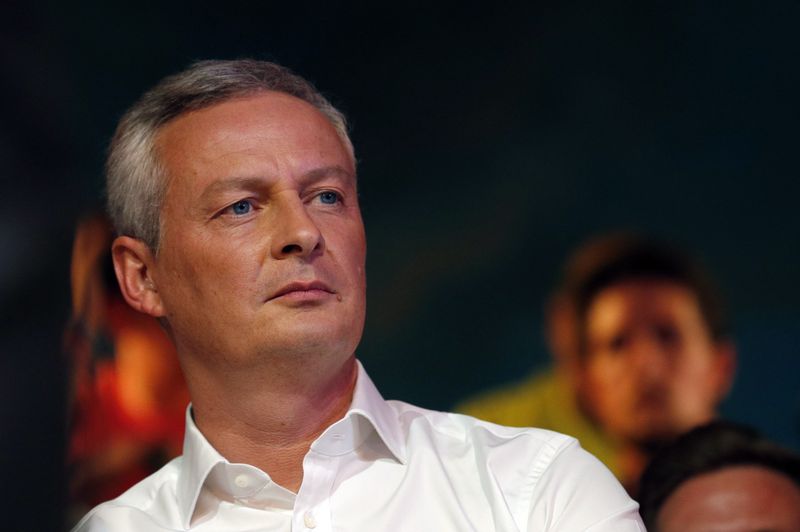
<point x="262" y="248"/>
<point x="651" y="369"/>
<point x="735" y="499"/>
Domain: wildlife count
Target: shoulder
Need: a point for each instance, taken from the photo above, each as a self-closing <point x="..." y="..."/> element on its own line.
<point x="149" y="505"/>
<point x="544" y="479"/>
<point x="516" y="457"/>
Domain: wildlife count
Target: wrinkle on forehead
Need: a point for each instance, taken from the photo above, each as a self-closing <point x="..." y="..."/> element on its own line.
<point x="256" y="182"/>
<point x="313" y="120"/>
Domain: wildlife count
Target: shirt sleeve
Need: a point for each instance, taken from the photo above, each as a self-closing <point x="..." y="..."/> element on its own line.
<point x="576" y="492"/>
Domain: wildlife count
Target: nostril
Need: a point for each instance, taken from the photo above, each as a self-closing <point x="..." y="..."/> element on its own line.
<point x="291" y="249"/>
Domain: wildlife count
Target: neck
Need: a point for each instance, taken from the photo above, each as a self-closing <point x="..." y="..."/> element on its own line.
<point x="270" y="421"/>
<point x="632" y="461"/>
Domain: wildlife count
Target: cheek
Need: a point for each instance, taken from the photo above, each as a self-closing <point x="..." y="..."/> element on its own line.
<point x="608" y="381"/>
<point x="694" y="382"/>
<point x="607" y="371"/>
<point x="203" y="276"/>
<point x="347" y="248"/>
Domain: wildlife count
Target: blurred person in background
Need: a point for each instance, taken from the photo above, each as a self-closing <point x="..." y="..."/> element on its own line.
<point x="642" y="348"/>
<point x="722" y="477"/>
<point x="128" y="396"/>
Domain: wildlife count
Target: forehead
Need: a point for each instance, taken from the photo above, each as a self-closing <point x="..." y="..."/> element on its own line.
<point x="644" y="300"/>
<point x="259" y="129"/>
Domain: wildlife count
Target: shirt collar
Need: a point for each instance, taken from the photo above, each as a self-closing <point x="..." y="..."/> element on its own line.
<point x="199" y="458"/>
<point x="368" y="412"/>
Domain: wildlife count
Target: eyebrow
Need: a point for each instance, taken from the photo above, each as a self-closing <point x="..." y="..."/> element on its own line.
<point x="232" y="183"/>
<point x="255" y="183"/>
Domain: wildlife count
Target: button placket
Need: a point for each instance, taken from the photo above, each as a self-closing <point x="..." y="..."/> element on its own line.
<point x="312" y="506"/>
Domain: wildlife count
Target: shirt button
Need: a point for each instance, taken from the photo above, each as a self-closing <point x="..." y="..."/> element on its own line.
<point x="309" y="521"/>
<point x="242" y="481"/>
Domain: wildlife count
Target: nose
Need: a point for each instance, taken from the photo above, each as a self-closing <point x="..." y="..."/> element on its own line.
<point x="295" y="232"/>
<point x="650" y="359"/>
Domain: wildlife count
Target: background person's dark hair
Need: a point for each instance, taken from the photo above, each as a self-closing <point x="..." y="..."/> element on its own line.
<point x="708" y="448"/>
<point x="616" y="258"/>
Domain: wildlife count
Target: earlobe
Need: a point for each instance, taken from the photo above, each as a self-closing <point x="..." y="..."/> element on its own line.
<point x="133" y="262"/>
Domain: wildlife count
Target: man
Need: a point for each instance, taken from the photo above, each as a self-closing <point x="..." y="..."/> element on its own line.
<point x="649" y="355"/>
<point x="233" y="189"/>
<point x="722" y="476"/>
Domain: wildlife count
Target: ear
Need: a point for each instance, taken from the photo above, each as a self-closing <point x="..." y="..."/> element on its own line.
<point x="133" y="262"/>
<point x="725" y="367"/>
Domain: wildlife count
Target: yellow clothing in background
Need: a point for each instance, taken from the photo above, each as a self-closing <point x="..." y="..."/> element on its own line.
<point x="544" y="400"/>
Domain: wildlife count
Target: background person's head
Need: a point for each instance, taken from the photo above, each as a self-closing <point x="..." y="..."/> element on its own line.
<point x="722" y="476"/>
<point x="654" y="357"/>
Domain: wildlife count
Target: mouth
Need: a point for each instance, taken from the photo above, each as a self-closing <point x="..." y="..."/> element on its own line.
<point x="652" y="401"/>
<point x="303" y="291"/>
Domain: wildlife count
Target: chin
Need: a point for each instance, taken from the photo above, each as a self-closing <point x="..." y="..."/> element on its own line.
<point x="309" y="338"/>
<point x="653" y="436"/>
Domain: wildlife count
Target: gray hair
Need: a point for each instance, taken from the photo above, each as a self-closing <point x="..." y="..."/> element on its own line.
<point x="136" y="180"/>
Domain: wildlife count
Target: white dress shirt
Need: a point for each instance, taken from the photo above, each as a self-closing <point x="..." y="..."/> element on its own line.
<point x="385" y="466"/>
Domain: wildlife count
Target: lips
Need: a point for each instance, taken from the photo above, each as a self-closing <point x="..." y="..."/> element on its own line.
<point x="303" y="289"/>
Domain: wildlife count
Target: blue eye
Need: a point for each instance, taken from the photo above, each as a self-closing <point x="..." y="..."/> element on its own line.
<point x="329" y="197"/>
<point x="241" y="207"/>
